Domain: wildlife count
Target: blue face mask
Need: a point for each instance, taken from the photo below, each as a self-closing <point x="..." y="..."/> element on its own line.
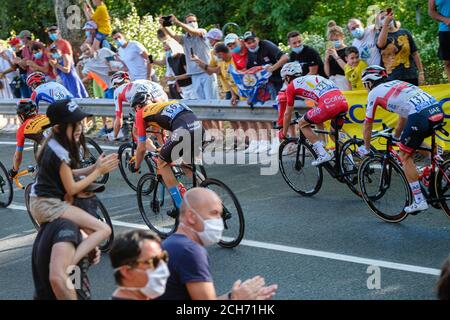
<point x="38" y="55"/>
<point x="53" y="36"/>
<point x="168" y="53"/>
<point x="254" y="50"/>
<point x="56" y="55"/>
<point x="337" y="43"/>
<point x="236" y="49"/>
<point x="299" y="49"/>
<point x="88" y="34"/>
<point x="120" y="43"/>
<point x="358" y="33"/>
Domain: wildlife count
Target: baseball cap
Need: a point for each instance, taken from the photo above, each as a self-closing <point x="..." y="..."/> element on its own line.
<point x="24" y="34"/>
<point x="52" y="28"/>
<point x="65" y="111"/>
<point x="214" y="34"/>
<point x="249" y="35"/>
<point x="90" y="25"/>
<point x="231" y="38"/>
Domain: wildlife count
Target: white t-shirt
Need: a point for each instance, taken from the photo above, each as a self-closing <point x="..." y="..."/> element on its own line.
<point x="367" y="47"/>
<point x="136" y="64"/>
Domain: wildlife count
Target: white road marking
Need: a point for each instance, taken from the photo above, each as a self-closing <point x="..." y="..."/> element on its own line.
<point x="300" y="251"/>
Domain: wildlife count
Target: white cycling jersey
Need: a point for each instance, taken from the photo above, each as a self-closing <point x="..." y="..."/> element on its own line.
<point x="126" y="92"/>
<point x="50" y="92"/>
<point x="400" y="97"/>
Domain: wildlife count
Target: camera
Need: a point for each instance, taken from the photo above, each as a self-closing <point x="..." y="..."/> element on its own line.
<point x="167" y="22"/>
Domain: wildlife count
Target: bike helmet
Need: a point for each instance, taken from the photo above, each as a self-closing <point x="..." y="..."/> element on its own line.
<point x="373" y="73"/>
<point x="291" y="69"/>
<point x="141" y="99"/>
<point x="25" y="109"/>
<point x="119" y="78"/>
<point x="35" y="79"/>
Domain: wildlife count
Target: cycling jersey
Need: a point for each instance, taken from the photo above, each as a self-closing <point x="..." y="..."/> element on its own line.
<point x="400" y="97"/>
<point x="281" y="99"/>
<point x="32" y="128"/>
<point x="126" y="92"/>
<point x="50" y="92"/>
<point x="330" y="100"/>
<point x="160" y="114"/>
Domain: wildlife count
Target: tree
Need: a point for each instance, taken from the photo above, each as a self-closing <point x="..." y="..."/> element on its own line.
<point x="70" y="17"/>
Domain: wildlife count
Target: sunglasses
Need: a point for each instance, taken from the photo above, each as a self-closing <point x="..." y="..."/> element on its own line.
<point x="153" y="262"/>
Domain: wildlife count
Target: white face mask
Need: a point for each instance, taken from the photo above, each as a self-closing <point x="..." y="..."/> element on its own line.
<point x="212" y="229"/>
<point x="156" y="281"/>
<point x="193" y="25"/>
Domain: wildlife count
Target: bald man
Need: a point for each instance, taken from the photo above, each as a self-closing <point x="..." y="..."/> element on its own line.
<point x="190" y="278"/>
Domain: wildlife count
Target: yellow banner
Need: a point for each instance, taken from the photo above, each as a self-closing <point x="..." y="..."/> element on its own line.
<point x="357" y="101"/>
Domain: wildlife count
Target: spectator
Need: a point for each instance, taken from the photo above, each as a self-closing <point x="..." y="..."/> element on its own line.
<point x="101" y="18"/>
<point x="180" y="84"/>
<point x="364" y="41"/>
<point x="190" y="276"/>
<point x="399" y="54"/>
<point x="443" y="286"/>
<point x="307" y="56"/>
<point x="354" y="68"/>
<point x="20" y="81"/>
<point x="194" y="42"/>
<point x="53" y="255"/>
<point x="90" y="29"/>
<point x="238" y="51"/>
<point x="64" y="67"/>
<point x="140" y="266"/>
<point x="335" y="51"/>
<point x="7" y="74"/>
<point x="264" y="52"/>
<point x="25" y="55"/>
<point x="214" y="36"/>
<point x="64" y="46"/>
<point x="440" y="10"/>
<point x="135" y="57"/>
<point x="40" y="61"/>
<point x="99" y="66"/>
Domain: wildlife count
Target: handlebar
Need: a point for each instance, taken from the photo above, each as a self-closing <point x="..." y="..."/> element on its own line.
<point x="298" y="116"/>
<point x="22" y="173"/>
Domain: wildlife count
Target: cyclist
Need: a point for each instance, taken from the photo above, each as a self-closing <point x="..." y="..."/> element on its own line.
<point x="418" y="113"/>
<point x="32" y="127"/>
<point x="46" y="91"/>
<point x="173" y="116"/>
<point x="125" y="91"/>
<point x="327" y="98"/>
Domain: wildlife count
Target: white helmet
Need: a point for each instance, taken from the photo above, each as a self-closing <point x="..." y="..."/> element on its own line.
<point x="373" y="73"/>
<point x="292" y="69"/>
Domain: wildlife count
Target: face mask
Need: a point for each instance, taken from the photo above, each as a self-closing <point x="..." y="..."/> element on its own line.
<point x="299" y="49"/>
<point x="337" y="43"/>
<point x="254" y="50"/>
<point x="56" y="55"/>
<point x="237" y="49"/>
<point x="53" y="36"/>
<point x="212" y="229"/>
<point x="391" y="24"/>
<point x="156" y="281"/>
<point x="120" y="43"/>
<point x="358" y="33"/>
<point x="219" y="59"/>
<point x="208" y="41"/>
<point x="194" y="25"/>
<point x="38" y="55"/>
<point x="88" y="34"/>
<point x="168" y="53"/>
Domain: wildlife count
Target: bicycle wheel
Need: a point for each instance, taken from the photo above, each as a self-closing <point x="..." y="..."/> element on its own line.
<point x="442" y="186"/>
<point x="103" y="215"/>
<point x="125" y="153"/>
<point x="349" y="162"/>
<point x="157" y="208"/>
<point x="295" y="159"/>
<point x="27" y="205"/>
<point x="6" y="189"/>
<point x="376" y="176"/>
<point x="232" y="215"/>
<point x="91" y="155"/>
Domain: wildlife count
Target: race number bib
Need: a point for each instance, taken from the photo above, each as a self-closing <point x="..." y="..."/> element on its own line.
<point x="172" y="110"/>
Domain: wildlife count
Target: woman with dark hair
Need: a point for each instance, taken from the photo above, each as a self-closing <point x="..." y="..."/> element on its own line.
<point x="55" y="186"/>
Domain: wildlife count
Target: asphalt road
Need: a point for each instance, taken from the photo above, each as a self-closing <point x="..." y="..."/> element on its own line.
<point x="313" y="248"/>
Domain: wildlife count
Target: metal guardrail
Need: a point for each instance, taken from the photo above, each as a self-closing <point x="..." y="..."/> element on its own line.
<point x="204" y="109"/>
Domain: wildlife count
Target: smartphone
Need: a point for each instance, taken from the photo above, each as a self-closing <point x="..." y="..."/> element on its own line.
<point x="329" y="45"/>
<point x="167" y="22"/>
<point x="192" y="52"/>
<point x="110" y="58"/>
<point x="389" y="11"/>
<point x="150" y="58"/>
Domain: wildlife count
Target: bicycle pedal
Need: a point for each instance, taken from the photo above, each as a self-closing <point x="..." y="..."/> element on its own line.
<point x="173" y="213"/>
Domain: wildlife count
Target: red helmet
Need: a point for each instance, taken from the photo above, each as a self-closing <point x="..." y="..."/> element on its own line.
<point x="35" y="79"/>
<point x="119" y="78"/>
